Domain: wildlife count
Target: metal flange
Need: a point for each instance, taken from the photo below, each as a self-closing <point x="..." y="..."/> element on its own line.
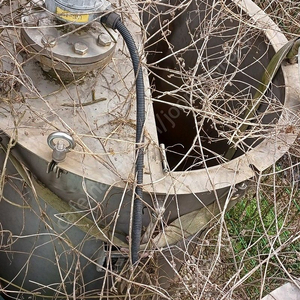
<point x="69" y="50"/>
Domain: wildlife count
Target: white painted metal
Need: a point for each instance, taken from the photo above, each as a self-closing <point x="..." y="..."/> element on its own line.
<point x="288" y="291"/>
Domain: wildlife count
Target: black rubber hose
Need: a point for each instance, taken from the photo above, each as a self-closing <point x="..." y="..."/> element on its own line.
<point x="113" y="20"/>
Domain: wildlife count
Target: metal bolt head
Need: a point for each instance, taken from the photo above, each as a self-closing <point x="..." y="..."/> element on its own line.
<point x="48" y="41"/>
<point x="80" y="48"/>
<point x="243" y="186"/>
<point x="104" y="39"/>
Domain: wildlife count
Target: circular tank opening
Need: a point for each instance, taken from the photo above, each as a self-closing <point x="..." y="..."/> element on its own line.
<point x="205" y="65"/>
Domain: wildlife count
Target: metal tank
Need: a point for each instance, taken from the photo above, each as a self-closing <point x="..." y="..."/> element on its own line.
<point x="68" y="147"/>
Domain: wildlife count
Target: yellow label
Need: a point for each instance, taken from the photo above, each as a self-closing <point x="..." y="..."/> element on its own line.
<point x="66" y="15"/>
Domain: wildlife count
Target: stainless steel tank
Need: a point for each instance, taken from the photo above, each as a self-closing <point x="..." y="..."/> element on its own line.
<point x="67" y="231"/>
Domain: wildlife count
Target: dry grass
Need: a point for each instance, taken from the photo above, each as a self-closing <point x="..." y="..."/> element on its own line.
<point x="259" y="248"/>
<point x="284" y="13"/>
<point x="243" y="254"/>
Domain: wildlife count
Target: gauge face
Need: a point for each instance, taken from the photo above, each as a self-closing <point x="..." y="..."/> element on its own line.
<point x="77" y="11"/>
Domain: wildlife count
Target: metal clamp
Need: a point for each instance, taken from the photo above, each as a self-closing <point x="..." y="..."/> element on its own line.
<point x="239" y="190"/>
<point x="62" y="136"/>
<point x="113" y="259"/>
<point x="60" y="150"/>
<point x="164" y="160"/>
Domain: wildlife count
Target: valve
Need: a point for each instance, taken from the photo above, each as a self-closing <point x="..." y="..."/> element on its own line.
<point x="60" y="150"/>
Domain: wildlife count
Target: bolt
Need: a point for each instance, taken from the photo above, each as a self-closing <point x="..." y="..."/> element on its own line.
<point x="104" y="39"/>
<point x="60" y="146"/>
<point x="242" y="186"/>
<point x="48" y="40"/>
<point x="80" y="48"/>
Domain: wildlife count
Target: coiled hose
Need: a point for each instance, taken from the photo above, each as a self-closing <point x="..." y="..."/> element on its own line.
<point x="113" y="21"/>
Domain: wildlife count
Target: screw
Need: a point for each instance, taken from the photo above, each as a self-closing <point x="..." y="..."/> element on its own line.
<point x="80" y="48"/>
<point x="104" y="39"/>
<point x="48" y="40"/>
